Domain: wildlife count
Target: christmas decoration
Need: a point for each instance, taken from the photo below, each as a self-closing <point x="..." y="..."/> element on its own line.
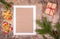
<point x="7" y="15"/>
<point x="47" y="28"/>
<point x="6" y="27"/>
<point x="7" y="5"/>
<point x="45" y="24"/>
<point x="50" y="9"/>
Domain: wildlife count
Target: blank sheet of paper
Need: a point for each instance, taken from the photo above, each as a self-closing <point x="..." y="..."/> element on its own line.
<point x="24" y="20"/>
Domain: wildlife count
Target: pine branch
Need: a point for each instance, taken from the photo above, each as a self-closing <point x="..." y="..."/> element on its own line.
<point x="46" y="27"/>
<point x="39" y="23"/>
<point x="41" y="31"/>
<point x="7" y="5"/>
<point x="45" y="24"/>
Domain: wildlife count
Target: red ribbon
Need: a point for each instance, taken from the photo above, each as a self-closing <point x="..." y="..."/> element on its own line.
<point x="51" y="9"/>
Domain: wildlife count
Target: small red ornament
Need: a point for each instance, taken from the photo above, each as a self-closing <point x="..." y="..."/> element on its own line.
<point x="9" y="18"/>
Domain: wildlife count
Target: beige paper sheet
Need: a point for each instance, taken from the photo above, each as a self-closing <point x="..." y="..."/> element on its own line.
<point x="24" y="20"/>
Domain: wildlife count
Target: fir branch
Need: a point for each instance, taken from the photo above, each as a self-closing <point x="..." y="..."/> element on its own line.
<point x="41" y="31"/>
<point x="39" y="23"/>
<point x="46" y="27"/>
<point x="7" y="5"/>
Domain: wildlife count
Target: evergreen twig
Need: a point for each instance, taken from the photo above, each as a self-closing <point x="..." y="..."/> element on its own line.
<point x="47" y="28"/>
<point x="7" y="5"/>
